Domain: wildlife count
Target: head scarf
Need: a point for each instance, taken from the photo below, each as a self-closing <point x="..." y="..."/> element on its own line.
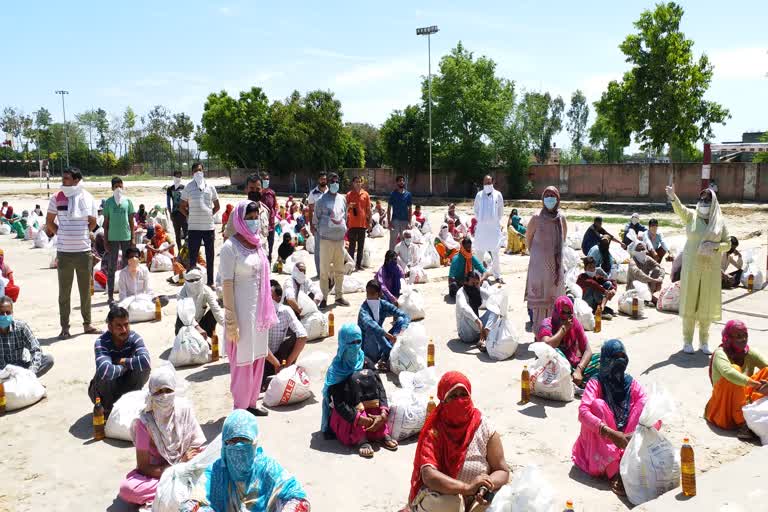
<point x="245" y="478"/>
<point x="574" y="341"/>
<point x="265" y="309"/>
<point x="731" y="328"/>
<point x="349" y="359"/>
<point x="715" y="223"/>
<point x="634" y="248"/>
<point x="159" y="238"/>
<point x="446" y="237"/>
<point x="193" y="282"/>
<point x="615" y="382"/>
<point x="168" y="418"/>
<point x="227" y="212"/>
<point x="467" y="255"/>
<point x="473" y="226"/>
<point x="447" y="432"/>
<point x="603" y="246"/>
<point x="556" y="217"/>
<point x="474" y="297"/>
<point x="391" y="274"/>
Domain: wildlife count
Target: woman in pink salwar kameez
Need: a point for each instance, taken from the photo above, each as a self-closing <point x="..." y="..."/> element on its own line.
<point x="609" y="413"/>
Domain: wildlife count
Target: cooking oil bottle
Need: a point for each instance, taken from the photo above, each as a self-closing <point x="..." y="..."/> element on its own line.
<point x="431" y="353"/>
<point x="331" y="327"/>
<point x="598" y="319"/>
<point x="687" y="468"/>
<point x="525" y="386"/>
<point x="431" y="405"/>
<point x="214" y="347"/>
<point x="158" y="310"/>
<point x="98" y="420"/>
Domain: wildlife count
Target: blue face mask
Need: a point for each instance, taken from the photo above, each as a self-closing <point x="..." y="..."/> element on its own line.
<point x="550" y="203"/>
<point x="333" y="187"/>
<point x="265" y="183"/>
<point x="351" y="353"/>
<point x="253" y="225"/>
<point x="239" y="458"/>
<point x="5" y="321"/>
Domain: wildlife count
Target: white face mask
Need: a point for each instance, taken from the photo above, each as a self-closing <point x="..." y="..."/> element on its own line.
<point x="199" y="178"/>
<point x="176" y="181"/>
<point x="118" y="194"/>
<point x="703" y="210"/>
<point x="488" y="189"/>
<point x="334" y="188"/>
<point x="634" y="222"/>
<point x="298" y="275"/>
<point x="70" y="191"/>
<point x="407" y="241"/>
<point x="590" y="274"/>
<point x="550" y="202"/>
<point x="641" y="257"/>
<point x="195" y="286"/>
<point x="162" y="404"/>
<point x="277" y="304"/>
<point x="253" y="225"/>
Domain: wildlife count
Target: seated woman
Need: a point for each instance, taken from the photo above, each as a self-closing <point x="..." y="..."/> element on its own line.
<point x="461" y="265"/>
<point x="418" y="217"/>
<point x="141" y="217"/>
<point x="459" y="457"/>
<point x="355" y="406"/>
<point x="286" y="249"/>
<point x="738" y="373"/>
<point x="515" y="234"/>
<point x="602" y="254"/>
<point x="11" y="289"/>
<point x="165" y="433"/>
<point x="134" y="278"/>
<point x="564" y="332"/>
<point x="645" y="269"/>
<point x="389" y="276"/>
<point x="446" y="245"/>
<point x="161" y="243"/>
<point x="609" y="413"/>
<point x="19" y="224"/>
<point x="244" y="478"/>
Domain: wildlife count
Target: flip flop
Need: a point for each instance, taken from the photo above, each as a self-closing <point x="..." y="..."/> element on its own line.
<point x="389" y="444"/>
<point x="617" y="486"/>
<point x="365" y="446"/>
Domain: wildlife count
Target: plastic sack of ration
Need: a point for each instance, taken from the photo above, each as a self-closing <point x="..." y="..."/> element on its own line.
<point x="289" y="386"/>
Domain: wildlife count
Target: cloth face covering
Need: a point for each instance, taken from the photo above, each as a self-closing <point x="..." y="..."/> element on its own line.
<point x="615" y="382"/>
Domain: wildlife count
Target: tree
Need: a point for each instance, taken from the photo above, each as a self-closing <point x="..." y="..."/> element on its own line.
<point x="353" y="156"/>
<point x="129" y="123"/>
<point x="102" y="130"/>
<point x="88" y="120"/>
<point x="237" y="130"/>
<point x="611" y="131"/>
<point x="578" y="115"/>
<point x="470" y="106"/>
<point x="371" y="140"/>
<point x="158" y="121"/>
<point x="761" y="158"/>
<point x="514" y="154"/>
<point x="322" y="117"/>
<point x="10" y="123"/>
<point x="404" y="140"/>
<point x="663" y="92"/>
<point x="181" y="129"/>
<point x="289" y="140"/>
<point x="541" y="119"/>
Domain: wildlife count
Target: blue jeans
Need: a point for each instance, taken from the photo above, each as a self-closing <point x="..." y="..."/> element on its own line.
<point x="376" y="346"/>
<point x="196" y="238"/>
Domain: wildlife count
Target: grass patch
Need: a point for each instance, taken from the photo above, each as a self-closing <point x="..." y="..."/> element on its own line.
<point x="621" y="220"/>
<point x="127" y="177"/>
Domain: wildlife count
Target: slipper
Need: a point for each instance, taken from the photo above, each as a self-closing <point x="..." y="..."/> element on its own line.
<point x="745" y="434"/>
<point x="89" y="329"/>
<point x="389" y="444"/>
<point x="481" y="346"/>
<point x="365" y="446"/>
<point x="617" y="486"/>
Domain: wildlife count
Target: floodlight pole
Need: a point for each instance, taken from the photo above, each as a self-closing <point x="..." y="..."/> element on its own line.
<point x="66" y="128"/>
<point x="428" y="31"/>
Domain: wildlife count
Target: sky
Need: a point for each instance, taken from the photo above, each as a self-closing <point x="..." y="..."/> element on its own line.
<point x="143" y="53"/>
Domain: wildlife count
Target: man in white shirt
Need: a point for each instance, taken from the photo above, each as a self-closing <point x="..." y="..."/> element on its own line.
<point x="208" y="313"/>
<point x="72" y="216"/>
<point x="408" y="253"/>
<point x="199" y="203"/>
<point x="329" y="221"/>
<point x="314" y="195"/>
<point x="282" y="345"/>
<point x="470" y="325"/>
<point x="489" y="212"/>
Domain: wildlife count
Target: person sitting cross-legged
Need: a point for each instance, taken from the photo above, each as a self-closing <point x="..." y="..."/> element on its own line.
<point x="122" y="361"/>
<point x="377" y="342"/>
<point x="389" y="276"/>
<point x="282" y="345"/>
<point x="18" y="345"/>
<point x="134" y="278"/>
<point x="462" y="264"/>
<point x="470" y="326"/>
<point x="597" y="289"/>
<point x="208" y="313"/>
<point x="299" y="283"/>
<point x="355" y="406"/>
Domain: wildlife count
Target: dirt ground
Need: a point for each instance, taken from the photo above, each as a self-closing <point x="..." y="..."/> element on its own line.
<point x="50" y="463"/>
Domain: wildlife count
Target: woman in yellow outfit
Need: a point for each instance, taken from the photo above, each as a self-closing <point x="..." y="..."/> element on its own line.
<point x="700" y="292"/>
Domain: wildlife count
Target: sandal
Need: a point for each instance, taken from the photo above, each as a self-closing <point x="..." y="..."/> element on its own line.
<point x="617" y="486"/>
<point x="389" y="444"/>
<point x="745" y="433"/>
<point x="481" y="346"/>
<point x="365" y="450"/>
<point x="382" y="366"/>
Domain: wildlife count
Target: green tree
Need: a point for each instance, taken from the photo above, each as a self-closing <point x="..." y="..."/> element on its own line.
<point x="289" y="140"/>
<point x="322" y="117"/>
<point x="237" y="130"/>
<point x="129" y="124"/>
<point x="369" y="136"/>
<point x="578" y="115"/>
<point x="663" y="92"/>
<point x="10" y="123"/>
<point x="761" y="158"/>
<point x="353" y="156"/>
<point x="404" y="140"/>
<point x="514" y="154"/>
<point x="102" y="130"/>
<point x="470" y="106"/>
<point x="541" y="119"/>
<point x="158" y="121"/>
<point x="88" y="120"/>
<point x="180" y="129"/>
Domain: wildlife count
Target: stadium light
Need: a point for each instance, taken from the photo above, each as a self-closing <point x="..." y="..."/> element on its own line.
<point x="428" y="31"/>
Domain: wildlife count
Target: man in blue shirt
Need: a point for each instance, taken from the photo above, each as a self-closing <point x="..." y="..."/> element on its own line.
<point x="399" y="211"/>
<point x="594" y="234"/>
<point x="377" y="341"/>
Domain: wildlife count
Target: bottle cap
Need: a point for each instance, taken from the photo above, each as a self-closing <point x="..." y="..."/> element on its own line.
<point x="569" y="504"/>
<point x="98" y="400"/>
<point x="686" y="440"/>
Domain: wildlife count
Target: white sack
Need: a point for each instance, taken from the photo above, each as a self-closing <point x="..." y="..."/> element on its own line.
<point x="669" y="298"/>
<point x="178" y="481"/>
<point x="141" y="308"/>
<point x="528" y="491"/>
<point x="411" y="302"/>
<point x="316" y="325"/>
<point x="625" y="303"/>
<point x="410" y="352"/>
<point x="377" y="231"/>
<point x="408" y="406"/>
<point x="756" y="416"/>
<point x="189" y="346"/>
<point x="584" y="314"/>
<point x="430" y="257"/>
<point x="289" y="386"/>
<point x="22" y="388"/>
<point x="123" y="414"/>
<point x="550" y="374"/>
<point x="161" y="263"/>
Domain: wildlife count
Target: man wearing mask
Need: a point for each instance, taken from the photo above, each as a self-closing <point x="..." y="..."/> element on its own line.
<point x="298" y="283"/>
<point x="270" y="201"/>
<point x="18" y="345"/>
<point x="118" y="228"/>
<point x="634" y="225"/>
<point x="287" y="337"/>
<point x="470" y="326"/>
<point x="122" y="361"/>
<point x="314" y="196"/>
<point x="199" y="203"/>
<point x="330" y="223"/>
<point x="208" y="313"/>
<point x="253" y="191"/>
<point x="359" y="214"/>
<point x="76" y="211"/>
<point x="173" y="203"/>
<point x="489" y="212"/>
<point x="399" y="211"/>
<point x="377" y="341"/>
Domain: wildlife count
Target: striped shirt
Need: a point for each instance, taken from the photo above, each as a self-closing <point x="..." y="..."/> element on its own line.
<point x="73" y="234"/>
<point x="19" y="347"/>
<point x="286" y="320"/>
<point x="107" y="355"/>
<point x="200" y="206"/>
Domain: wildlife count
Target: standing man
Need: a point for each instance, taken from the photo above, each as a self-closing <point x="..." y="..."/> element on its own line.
<point x="399" y="211"/>
<point x="118" y="227"/>
<point x="253" y="191"/>
<point x="489" y="212"/>
<point x="330" y="223"/>
<point x="270" y="201"/>
<point x="199" y="203"/>
<point x="359" y="215"/>
<point x="75" y="210"/>
<point x="314" y="195"/>
<point x="173" y="203"/>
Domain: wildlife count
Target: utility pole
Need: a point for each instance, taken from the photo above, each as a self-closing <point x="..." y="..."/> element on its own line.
<point x="428" y="31"/>
<point x="66" y="128"/>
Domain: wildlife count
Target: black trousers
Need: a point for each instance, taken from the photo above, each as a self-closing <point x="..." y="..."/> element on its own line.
<point x="453" y="287"/>
<point x="356" y="245"/>
<point x="196" y="238"/>
<point x="282" y="353"/>
<point x="207" y="323"/>
<point x="179" y="228"/>
<point x="271" y="241"/>
<point x="110" y="391"/>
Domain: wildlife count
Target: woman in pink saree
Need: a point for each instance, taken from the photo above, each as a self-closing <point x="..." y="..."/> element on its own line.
<point x="546" y="277"/>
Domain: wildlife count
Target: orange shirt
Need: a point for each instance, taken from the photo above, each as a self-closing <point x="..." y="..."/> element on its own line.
<point x="358" y="208"/>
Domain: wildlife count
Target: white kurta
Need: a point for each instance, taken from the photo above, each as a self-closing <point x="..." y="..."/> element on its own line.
<point x="489" y="212"/>
<point x="243" y="265"/>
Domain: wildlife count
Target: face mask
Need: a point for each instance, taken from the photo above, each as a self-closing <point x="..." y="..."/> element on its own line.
<point x="550" y="203"/>
<point x="195" y="286"/>
<point x="590" y="274"/>
<point x="351" y="353"/>
<point x="254" y="196"/>
<point x="253" y="225"/>
<point x="265" y="183"/>
<point x="298" y="275"/>
<point x="239" y="459"/>
<point x="5" y="321"/>
<point x="488" y="189"/>
<point x="163" y="403"/>
<point x="634" y="222"/>
<point x="640" y="257"/>
<point x="333" y="187"/>
<point x="70" y="191"/>
<point x="276" y="303"/>
<point x="619" y="366"/>
<point x="133" y="263"/>
<point x="176" y="181"/>
<point x="118" y="194"/>
<point x="703" y="210"/>
<point x="407" y="241"/>
<point x="457" y="410"/>
<point x="199" y="177"/>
